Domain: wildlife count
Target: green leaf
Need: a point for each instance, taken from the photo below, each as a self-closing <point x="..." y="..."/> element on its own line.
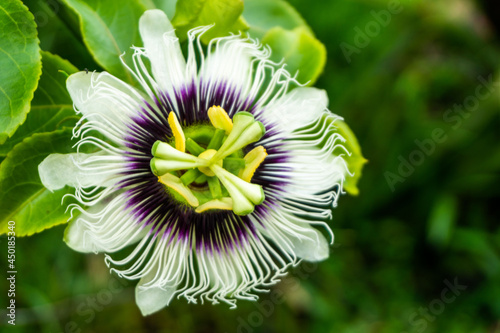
<point x="23" y="198"/>
<point x="442" y="220"/>
<point x="479" y="244"/>
<point x="300" y="50"/>
<point x="280" y="26"/>
<point x="59" y="33"/>
<point x="355" y="162"/>
<point x="51" y="107"/>
<point x="109" y="28"/>
<point x="225" y="14"/>
<point x="20" y="65"/>
<point x="263" y="15"/>
<point x="168" y="6"/>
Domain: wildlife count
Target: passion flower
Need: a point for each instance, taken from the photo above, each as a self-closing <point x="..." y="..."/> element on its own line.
<point x="213" y="168"/>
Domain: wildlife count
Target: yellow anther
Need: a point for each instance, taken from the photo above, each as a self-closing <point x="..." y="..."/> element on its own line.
<point x="252" y="161"/>
<point x="175" y="126"/>
<point x="223" y="203"/>
<point x="220" y="119"/>
<point x="176" y="184"/>
<point x="207" y="155"/>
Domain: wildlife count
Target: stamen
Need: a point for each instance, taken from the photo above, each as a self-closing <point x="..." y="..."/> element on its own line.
<point x="234" y="164"/>
<point x="214" y="186"/>
<point x="175" y="126"/>
<point x="220" y="119"/>
<point x="193" y="147"/>
<point x="223" y="203"/>
<point x="190" y="176"/>
<point x="202" y="179"/>
<point x="217" y="139"/>
<point x="176" y="184"/>
<point x="252" y="161"/>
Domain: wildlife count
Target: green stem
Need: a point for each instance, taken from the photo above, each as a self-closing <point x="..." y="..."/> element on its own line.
<point x="216" y="140"/>
<point x="190" y="176"/>
<point x="215" y="187"/>
<point x="193" y="147"/>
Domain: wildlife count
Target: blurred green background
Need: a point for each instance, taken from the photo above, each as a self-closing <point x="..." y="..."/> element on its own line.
<point x="413" y="229"/>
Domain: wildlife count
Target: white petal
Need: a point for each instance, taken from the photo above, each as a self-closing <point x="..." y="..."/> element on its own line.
<point x="81" y="86"/>
<point x="163" y="50"/>
<point x="59" y="170"/>
<point x="229" y="67"/>
<point x="77" y="237"/>
<point x="313" y="248"/>
<point x="151" y="299"/>
<point x="316" y="159"/>
<point x="106" y="102"/>
<point x="105" y="227"/>
<point x="297" y="109"/>
<point x="312" y="175"/>
<point x="176" y="266"/>
<point x="293" y="234"/>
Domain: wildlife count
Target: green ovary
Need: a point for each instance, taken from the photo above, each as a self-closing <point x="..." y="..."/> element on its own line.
<point x="204" y="166"/>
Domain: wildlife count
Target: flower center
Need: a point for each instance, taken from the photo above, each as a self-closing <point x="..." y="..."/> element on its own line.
<point x="205" y="167"/>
